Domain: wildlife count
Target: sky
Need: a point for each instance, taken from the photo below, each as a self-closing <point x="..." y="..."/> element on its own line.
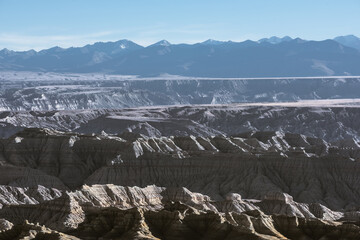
<point x="40" y="24"/>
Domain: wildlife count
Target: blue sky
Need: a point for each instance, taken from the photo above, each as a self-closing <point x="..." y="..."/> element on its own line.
<point x="39" y="24"/>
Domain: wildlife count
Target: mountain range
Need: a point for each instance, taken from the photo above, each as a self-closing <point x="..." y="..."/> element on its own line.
<point x="268" y="57"/>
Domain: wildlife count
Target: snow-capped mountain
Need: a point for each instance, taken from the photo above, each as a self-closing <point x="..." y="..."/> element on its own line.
<point x="273" y="57"/>
<point x="163" y="43"/>
<point x="212" y="42"/>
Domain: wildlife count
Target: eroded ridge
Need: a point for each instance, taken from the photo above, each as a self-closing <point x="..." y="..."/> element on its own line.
<point x="255" y="185"/>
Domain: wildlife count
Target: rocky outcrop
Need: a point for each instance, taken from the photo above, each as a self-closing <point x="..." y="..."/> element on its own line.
<point x="109" y="211"/>
<point x="312" y="228"/>
<point x="118" y="196"/>
<point x="5" y="225"/>
<point x="18" y="195"/>
<point x="28" y="230"/>
<point x="62" y="214"/>
<point x="255" y="185"/>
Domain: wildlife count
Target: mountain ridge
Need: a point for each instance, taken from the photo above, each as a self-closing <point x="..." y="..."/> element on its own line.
<point x="274" y="56"/>
<point x="272" y="39"/>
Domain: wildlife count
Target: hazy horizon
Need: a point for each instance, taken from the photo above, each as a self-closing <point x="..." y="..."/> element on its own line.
<point x="40" y="24"/>
<point x="91" y="43"/>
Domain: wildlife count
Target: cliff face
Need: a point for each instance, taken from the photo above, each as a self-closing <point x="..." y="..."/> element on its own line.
<point x="257" y="185"/>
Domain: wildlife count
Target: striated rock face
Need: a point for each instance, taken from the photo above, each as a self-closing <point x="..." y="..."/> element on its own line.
<point x="253" y="164"/>
<point x="16" y="195"/>
<point x="62" y="213"/>
<point x="255" y="185"/>
<point x="173" y="213"/>
<point x="278" y="196"/>
<point x="330" y="120"/>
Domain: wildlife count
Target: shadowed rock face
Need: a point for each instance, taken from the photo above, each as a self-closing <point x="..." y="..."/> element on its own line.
<point x="309" y="169"/>
<point x="256" y="185"/>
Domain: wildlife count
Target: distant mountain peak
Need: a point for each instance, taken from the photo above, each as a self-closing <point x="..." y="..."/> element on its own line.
<point x="5" y="50"/>
<point x="275" y="40"/>
<point x="124" y="40"/>
<point x="349" y="41"/>
<point x="350" y="36"/>
<point x="124" y="43"/>
<point x="299" y="40"/>
<point x="212" y="42"/>
<point x="55" y="49"/>
<point x="162" y="43"/>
